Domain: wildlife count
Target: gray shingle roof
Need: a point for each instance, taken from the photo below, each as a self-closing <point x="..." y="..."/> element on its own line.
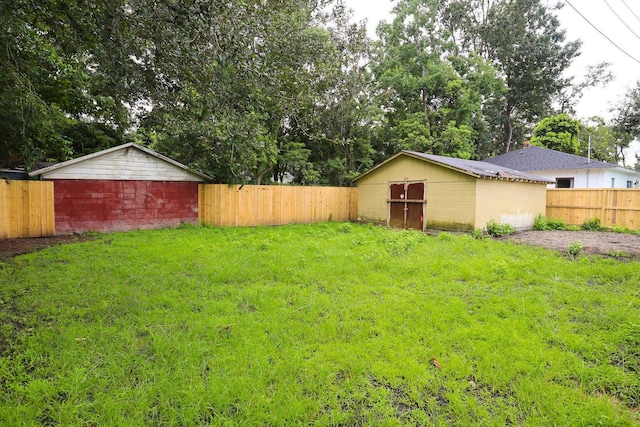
<point x="481" y="169"/>
<point x="470" y="167"/>
<point x="539" y="159"/>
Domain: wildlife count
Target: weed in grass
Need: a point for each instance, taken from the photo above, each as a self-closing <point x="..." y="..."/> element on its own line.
<point x="556" y="224"/>
<point x="498" y="230"/>
<point x="575" y="248"/>
<point x="592" y="224"/>
<point x="622" y="230"/>
<point x="325" y="324"/>
<point x="478" y="234"/>
<point x="619" y="254"/>
<point x="542" y="223"/>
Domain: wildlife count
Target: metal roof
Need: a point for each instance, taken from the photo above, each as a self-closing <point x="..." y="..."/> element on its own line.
<point x="469" y="167"/>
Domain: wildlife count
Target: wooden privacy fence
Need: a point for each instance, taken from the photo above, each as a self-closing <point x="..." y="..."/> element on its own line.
<point x="26" y="209"/>
<point x="250" y="205"/>
<point x="612" y="206"/>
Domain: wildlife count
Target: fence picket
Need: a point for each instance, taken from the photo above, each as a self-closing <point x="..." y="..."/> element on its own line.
<point x="613" y="206"/>
<point x="252" y="205"/>
<point x="26" y="209"/>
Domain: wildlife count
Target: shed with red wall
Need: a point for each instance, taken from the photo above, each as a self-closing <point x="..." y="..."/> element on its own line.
<point x="122" y="188"/>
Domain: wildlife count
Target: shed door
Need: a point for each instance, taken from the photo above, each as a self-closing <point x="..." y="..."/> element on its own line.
<point x="406" y="205"/>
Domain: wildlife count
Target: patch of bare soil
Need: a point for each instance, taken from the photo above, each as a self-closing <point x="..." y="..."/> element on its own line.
<point x="12" y="247"/>
<point x="593" y="243"/>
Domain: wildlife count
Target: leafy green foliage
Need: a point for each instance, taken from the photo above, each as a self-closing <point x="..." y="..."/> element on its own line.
<point x="497" y="230"/>
<point x="52" y="77"/>
<point x="429" y="103"/>
<point x="540" y="222"/>
<point x="622" y="230"/>
<point x="556" y="224"/>
<point x="448" y="71"/>
<point x="530" y="52"/>
<point x="592" y="224"/>
<point x="478" y="234"/>
<point x="239" y="91"/>
<point x="605" y="142"/>
<point x="626" y="121"/>
<point x="575" y="248"/>
<point x="557" y="133"/>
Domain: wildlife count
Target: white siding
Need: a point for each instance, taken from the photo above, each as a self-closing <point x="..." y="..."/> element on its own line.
<point x="592" y="178"/>
<point x="621" y="177"/>
<point x="129" y="164"/>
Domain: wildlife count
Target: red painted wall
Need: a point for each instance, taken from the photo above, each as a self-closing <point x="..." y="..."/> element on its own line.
<point x="82" y="205"/>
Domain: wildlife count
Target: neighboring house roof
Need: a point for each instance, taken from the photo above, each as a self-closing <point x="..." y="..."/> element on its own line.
<point x="468" y="167"/>
<point x="543" y="159"/>
<point x="130" y="145"/>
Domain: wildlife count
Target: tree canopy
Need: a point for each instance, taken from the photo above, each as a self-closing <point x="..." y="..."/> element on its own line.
<point x="286" y="90"/>
<point x="558" y="133"/>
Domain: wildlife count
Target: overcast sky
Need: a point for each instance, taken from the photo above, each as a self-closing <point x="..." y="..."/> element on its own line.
<point x="595" y="47"/>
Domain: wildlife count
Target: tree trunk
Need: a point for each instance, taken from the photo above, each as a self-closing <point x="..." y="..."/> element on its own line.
<point x="509" y="130"/>
<point x="263" y="173"/>
<point x="425" y="108"/>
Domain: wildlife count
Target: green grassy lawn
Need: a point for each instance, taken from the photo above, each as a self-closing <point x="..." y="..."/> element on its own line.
<point x="327" y="324"/>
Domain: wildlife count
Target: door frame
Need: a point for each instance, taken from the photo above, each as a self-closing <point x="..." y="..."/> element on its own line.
<point x="406" y="201"/>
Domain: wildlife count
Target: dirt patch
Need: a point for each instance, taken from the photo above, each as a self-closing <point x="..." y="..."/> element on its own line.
<point x="12" y="247"/>
<point x="593" y="243"/>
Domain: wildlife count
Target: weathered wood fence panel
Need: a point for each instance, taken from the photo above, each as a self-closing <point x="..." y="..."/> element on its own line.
<point x="612" y="206"/>
<point x="26" y="209"/>
<point x="251" y="205"/>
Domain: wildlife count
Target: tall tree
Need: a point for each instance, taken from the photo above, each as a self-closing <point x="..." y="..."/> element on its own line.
<point x="237" y="86"/>
<point x="524" y="42"/>
<point x="214" y="68"/>
<point x="626" y="120"/>
<point x="598" y="141"/>
<point x="558" y="133"/>
<point x="62" y="84"/>
<point x="228" y="88"/>
<point x="324" y="139"/>
<point x="427" y="100"/>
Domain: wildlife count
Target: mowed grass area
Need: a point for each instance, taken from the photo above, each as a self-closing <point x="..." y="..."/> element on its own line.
<point x="331" y="324"/>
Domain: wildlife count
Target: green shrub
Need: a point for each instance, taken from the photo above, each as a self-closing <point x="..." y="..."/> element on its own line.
<point x="622" y="230"/>
<point x="498" y="230"/>
<point x="540" y="223"/>
<point x="478" y="234"/>
<point x="575" y="248"/>
<point x="556" y="224"/>
<point x="592" y="225"/>
<point x="573" y="228"/>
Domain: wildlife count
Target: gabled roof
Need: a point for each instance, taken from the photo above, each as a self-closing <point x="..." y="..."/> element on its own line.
<point x="468" y="167"/>
<point x="159" y="156"/>
<point x="542" y="159"/>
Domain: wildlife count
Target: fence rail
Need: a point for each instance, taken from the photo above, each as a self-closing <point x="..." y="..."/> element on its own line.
<point x="613" y="207"/>
<point x="26" y="209"/>
<point x="251" y="205"/>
